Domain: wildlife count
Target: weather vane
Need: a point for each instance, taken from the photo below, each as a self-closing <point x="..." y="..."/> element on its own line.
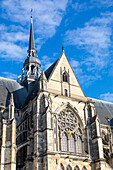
<point x="31" y="11"/>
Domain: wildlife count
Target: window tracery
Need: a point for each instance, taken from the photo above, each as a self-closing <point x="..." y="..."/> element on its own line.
<point x="67" y="120"/>
<point x="70" y="129"/>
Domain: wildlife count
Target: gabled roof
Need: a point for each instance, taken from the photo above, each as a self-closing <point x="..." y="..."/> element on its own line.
<point x="50" y="69"/>
<point x="8" y="86"/>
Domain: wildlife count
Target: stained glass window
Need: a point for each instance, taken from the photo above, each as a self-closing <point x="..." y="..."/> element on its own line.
<point x="78" y="141"/>
<point x="71" y="143"/>
<point x="64" y="142"/>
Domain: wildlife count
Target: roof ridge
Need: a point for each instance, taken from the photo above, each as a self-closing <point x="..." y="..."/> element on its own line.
<point x="100" y="100"/>
<point x="8" y="79"/>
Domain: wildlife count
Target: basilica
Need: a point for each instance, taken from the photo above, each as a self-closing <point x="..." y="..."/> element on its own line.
<point x="47" y="122"/>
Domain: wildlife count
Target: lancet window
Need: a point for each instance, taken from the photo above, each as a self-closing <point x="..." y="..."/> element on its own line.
<point x="64" y="142"/>
<point x="78" y="141"/>
<point x="65" y="76"/>
<point x="71" y="143"/>
<point x="61" y="167"/>
<point x="68" y="167"/>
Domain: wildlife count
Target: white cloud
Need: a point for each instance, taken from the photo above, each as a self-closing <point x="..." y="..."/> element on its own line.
<point x="12" y="51"/>
<point x="10" y="75"/>
<point x="79" y="6"/>
<point x="107" y="97"/>
<point x="95" y="38"/>
<point x="84" y="79"/>
<point x="47" y="15"/>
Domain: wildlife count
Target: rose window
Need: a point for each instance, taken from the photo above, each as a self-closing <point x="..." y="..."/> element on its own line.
<point x="67" y="120"/>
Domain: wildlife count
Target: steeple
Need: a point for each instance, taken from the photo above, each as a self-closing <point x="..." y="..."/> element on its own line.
<point x="31" y="66"/>
<point x="31" y="38"/>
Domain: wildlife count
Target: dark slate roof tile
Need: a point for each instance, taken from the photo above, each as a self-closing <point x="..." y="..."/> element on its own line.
<point x="104" y="110"/>
<point x="8" y="86"/>
<point x="50" y="69"/>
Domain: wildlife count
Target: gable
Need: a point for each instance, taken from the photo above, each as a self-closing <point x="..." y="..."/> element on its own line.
<point x="55" y="79"/>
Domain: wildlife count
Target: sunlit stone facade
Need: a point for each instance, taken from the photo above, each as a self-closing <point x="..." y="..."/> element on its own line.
<point x="46" y="121"/>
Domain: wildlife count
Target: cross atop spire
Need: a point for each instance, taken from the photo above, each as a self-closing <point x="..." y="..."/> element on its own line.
<point x="31" y="38"/>
<point x="31" y="11"/>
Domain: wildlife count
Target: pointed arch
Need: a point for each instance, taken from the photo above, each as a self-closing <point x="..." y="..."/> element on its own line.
<point x="76" y="167"/>
<point x="71" y="143"/>
<point x="84" y="168"/>
<point x="68" y="106"/>
<point x="61" y="167"/>
<point x="68" y="167"/>
<point x="64" y="142"/>
<point x="65" y="76"/>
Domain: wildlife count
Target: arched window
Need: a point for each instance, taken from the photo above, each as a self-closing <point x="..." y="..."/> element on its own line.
<point x="84" y="168"/>
<point x="78" y="141"/>
<point x="76" y="168"/>
<point x="61" y="167"/>
<point x="27" y="68"/>
<point x="71" y="143"/>
<point x="65" y="91"/>
<point x="68" y="167"/>
<point x="32" y="68"/>
<point x="64" y="142"/>
<point x="65" y="77"/>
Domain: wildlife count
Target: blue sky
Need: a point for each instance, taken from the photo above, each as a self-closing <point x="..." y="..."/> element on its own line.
<point x="85" y="28"/>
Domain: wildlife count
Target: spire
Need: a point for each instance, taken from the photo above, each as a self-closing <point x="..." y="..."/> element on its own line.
<point x="31" y="38"/>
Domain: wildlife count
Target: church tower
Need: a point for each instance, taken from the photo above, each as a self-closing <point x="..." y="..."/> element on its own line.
<point x="31" y="66"/>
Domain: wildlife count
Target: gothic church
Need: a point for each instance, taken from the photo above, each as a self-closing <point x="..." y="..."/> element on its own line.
<point x="46" y="121"/>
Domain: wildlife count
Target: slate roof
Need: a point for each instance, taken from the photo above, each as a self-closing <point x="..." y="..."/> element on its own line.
<point x="50" y="69"/>
<point x="7" y="87"/>
<point x="104" y="110"/>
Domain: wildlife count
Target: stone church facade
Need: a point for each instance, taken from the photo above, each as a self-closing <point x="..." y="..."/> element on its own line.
<point x="46" y="121"/>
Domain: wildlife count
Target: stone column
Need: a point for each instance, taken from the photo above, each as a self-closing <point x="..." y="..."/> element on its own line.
<point x="13" y="147"/>
<point x="3" y="144"/>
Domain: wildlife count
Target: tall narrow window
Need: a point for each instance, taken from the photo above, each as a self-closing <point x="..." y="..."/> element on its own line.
<point x="79" y="141"/>
<point x="71" y="143"/>
<point x="32" y="69"/>
<point x="65" y="91"/>
<point x="64" y="142"/>
<point x="61" y="167"/>
<point x="65" y="77"/>
<point x="68" y="167"/>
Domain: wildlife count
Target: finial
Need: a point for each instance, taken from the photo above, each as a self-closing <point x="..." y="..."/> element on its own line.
<point x="31" y="12"/>
<point x="63" y="48"/>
